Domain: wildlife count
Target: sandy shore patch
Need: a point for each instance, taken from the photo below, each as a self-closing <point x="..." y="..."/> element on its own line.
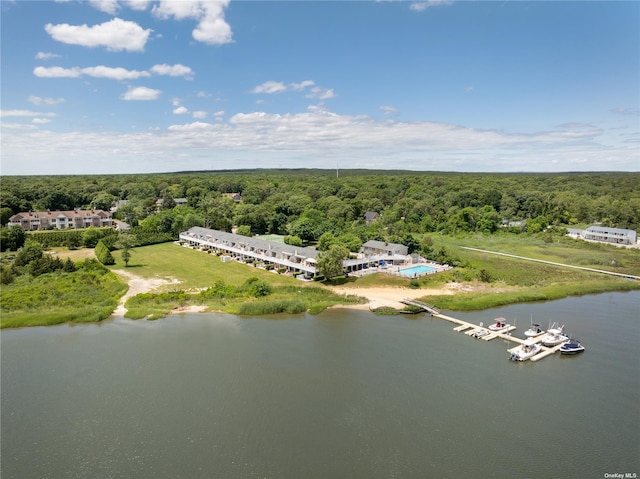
<point x="378" y="297"/>
<point x="138" y="285"/>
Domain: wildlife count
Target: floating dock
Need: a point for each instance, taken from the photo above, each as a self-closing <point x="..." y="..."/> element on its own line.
<point x="471" y="329"/>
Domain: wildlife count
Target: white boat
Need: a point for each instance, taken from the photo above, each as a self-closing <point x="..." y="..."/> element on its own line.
<point x="499" y="325"/>
<point x="534" y="330"/>
<point x="526" y="350"/>
<point x="479" y="333"/>
<point x="554" y="336"/>
<point x="572" y="346"/>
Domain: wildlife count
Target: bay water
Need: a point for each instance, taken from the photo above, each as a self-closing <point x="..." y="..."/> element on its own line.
<point x="342" y="394"/>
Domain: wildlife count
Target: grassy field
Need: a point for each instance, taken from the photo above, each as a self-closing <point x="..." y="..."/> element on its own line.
<point x="514" y="280"/>
<point x="192" y="268"/>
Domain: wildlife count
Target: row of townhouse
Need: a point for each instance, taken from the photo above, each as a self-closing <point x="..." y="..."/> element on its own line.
<point x="296" y="259"/>
<point x="603" y="234"/>
<point x="40" y="220"/>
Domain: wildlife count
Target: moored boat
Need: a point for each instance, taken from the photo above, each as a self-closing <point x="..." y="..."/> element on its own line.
<point x="534" y="330"/>
<point x="572" y="346"/>
<point x="479" y="333"/>
<point x="499" y="325"/>
<point x="526" y="350"/>
<point x="554" y="336"/>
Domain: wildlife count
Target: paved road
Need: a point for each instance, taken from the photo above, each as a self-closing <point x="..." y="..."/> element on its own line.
<point x="628" y="276"/>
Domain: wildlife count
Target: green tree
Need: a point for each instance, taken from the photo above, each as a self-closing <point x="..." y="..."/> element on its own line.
<point x="29" y="252"/>
<point x="5" y="214"/>
<point x="102" y="201"/>
<point x="91" y="236"/>
<point x="330" y="261"/>
<point x="325" y="241"/>
<point x="244" y="230"/>
<point x="16" y="237"/>
<point x="293" y="240"/>
<point x="125" y="243"/>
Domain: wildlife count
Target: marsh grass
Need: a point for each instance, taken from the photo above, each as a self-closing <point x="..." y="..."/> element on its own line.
<point x="283" y="299"/>
<point x="53" y="298"/>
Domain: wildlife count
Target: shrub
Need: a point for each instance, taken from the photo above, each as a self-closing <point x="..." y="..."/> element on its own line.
<point x="103" y="254"/>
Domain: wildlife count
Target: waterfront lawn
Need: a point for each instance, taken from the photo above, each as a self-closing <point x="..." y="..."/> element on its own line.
<point x="53" y="298"/>
<point x="193" y="269"/>
<point x="197" y="270"/>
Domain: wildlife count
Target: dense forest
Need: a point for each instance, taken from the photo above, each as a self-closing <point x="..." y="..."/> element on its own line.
<point x="309" y="203"/>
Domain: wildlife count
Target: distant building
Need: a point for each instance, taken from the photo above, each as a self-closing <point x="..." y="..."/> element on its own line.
<point x="373" y="247"/>
<point x="40" y="220"/>
<point x="370" y="216"/>
<point x="177" y="201"/>
<point x="610" y="235"/>
<point x="234" y="196"/>
<point x="118" y="204"/>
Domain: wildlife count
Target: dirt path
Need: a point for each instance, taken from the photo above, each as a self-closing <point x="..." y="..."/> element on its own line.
<point x="137" y="285"/>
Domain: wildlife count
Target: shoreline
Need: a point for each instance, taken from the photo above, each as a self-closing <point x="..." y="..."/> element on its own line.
<point x="376" y="297"/>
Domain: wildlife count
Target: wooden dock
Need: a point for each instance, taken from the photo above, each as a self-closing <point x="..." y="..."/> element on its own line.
<point x="470" y="329"/>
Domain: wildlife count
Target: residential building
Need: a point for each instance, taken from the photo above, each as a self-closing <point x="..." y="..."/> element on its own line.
<point x="234" y="196"/>
<point x="370" y="216"/>
<point x="373" y="247"/>
<point x="293" y="258"/>
<point x="610" y="235"/>
<point x="177" y="201"/>
<point x="39" y="220"/>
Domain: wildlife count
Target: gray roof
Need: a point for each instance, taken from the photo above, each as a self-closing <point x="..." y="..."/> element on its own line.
<point x="598" y="229"/>
<point x="217" y="235"/>
<point x="382" y="245"/>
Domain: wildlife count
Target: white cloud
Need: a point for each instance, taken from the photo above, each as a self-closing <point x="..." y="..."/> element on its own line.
<point x="117" y="73"/>
<point x="195" y="126"/>
<point x="422" y="5"/>
<point x="219" y="113"/>
<point x="46" y="56"/>
<point x="137" y="4"/>
<point x="57" y="72"/>
<point x="314" y="138"/>
<point x="24" y="113"/>
<point x="176" y="70"/>
<point x="107" y="6"/>
<point x="36" y="100"/>
<point x="141" y="93"/>
<point x="200" y="114"/>
<point x="270" y="87"/>
<point x="321" y="93"/>
<point x="114" y="35"/>
<point x="388" y="110"/>
<point x="175" y="102"/>
<point x="113" y="73"/>
<point x="40" y="121"/>
<point x="181" y="110"/>
<point x="212" y="27"/>
<point x="468" y="89"/>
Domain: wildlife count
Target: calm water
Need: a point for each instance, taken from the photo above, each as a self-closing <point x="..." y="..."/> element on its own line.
<point x="340" y="395"/>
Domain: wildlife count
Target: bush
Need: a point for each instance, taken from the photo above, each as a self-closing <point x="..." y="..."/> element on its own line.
<point x="103" y="254"/>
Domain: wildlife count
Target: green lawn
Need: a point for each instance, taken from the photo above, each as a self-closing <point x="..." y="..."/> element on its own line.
<point x="193" y="268"/>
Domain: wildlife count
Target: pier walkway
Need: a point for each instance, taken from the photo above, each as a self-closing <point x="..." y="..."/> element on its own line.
<point x="482" y="332"/>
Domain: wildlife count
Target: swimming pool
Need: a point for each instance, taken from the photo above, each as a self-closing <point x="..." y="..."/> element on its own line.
<point x="418" y="270"/>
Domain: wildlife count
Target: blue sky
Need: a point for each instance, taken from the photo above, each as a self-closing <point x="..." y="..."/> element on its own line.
<point x="134" y="86"/>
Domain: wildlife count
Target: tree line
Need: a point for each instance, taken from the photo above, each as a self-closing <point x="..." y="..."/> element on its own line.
<point x="307" y="204"/>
